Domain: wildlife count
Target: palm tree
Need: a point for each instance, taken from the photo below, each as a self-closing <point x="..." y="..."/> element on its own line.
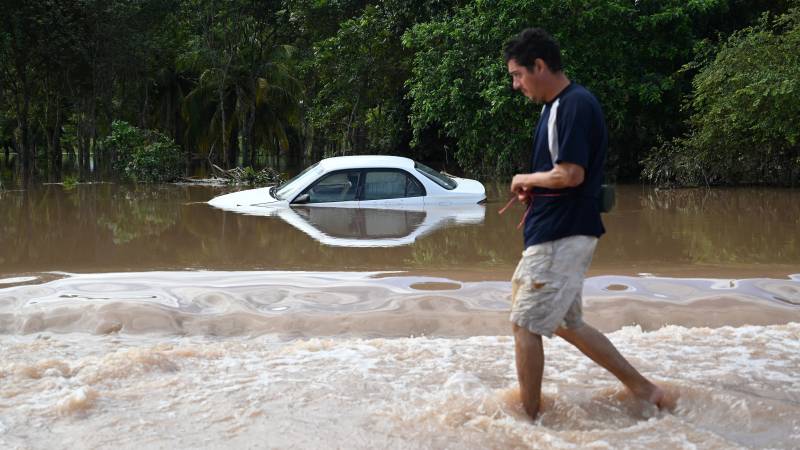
<point x="206" y="109"/>
<point x="258" y="103"/>
<point x="271" y="105"/>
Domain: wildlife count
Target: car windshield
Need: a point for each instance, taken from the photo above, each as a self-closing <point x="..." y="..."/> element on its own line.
<point x="298" y="181"/>
<point x="438" y="178"/>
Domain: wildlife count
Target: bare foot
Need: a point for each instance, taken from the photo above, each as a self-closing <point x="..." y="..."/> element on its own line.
<point x="663" y="400"/>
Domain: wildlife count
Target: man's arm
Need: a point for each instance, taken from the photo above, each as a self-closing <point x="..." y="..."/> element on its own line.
<point x="563" y="175"/>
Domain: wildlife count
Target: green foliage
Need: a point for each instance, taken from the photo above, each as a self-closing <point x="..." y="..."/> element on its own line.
<point x="121" y="143"/>
<point x="70" y="181"/>
<point x="245" y="83"/>
<point x="157" y="161"/>
<point x="671" y="165"/>
<point x="143" y="155"/>
<point x="352" y="87"/>
<point x="745" y="110"/>
<point x="626" y="53"/>
<point x="253" y="177"/>
<point x="266" y="176"/>
<point x="358" y="74"/>
<point x="249" y="175"/>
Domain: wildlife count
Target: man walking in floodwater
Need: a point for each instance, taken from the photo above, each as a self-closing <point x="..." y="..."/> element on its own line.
<point x="562" y="224"/>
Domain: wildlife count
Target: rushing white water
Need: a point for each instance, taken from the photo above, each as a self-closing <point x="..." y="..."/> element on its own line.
<point x="366" y="360"/>
<point x="737" y="386"/>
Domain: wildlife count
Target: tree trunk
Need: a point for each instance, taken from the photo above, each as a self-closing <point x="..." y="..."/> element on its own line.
<point x="22" y="101"/>
<point x="360" y="138"/>
<point x="81" y="141"/>
<point x="143" y="118"/>
<point x="348" y="139"/>
<point x="308" y="140"/>
<point x="25" y="146"/>
<point x="56" y="157"/>
<point x="251" y="121"/>
<point x="224" y="139"/>
<point x="91" y="138"/>
<point x="22" y="104"/>
<point x="54" y="146"/>
<point x="233" y="146"/>
<point x="241" y="112"/>
<point x="84" y="142"/>
<point x="245" y="148"/>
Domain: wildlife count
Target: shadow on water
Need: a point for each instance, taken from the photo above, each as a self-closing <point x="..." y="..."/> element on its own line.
<point x="111" y="227"/>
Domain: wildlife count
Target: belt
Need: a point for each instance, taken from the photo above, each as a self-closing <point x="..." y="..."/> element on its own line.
<point x="530" y="197"/>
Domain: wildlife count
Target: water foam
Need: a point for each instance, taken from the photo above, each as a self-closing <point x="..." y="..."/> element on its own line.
<point x="738" y="387"/>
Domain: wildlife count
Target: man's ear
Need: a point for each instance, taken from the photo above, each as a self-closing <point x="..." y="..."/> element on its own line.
<point x="539" y="64"/>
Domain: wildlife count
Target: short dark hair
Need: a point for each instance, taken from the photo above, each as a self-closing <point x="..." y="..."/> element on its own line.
<point x="532" y="43"/>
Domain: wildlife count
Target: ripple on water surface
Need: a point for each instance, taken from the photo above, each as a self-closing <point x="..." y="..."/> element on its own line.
<point x="366" y="303"/>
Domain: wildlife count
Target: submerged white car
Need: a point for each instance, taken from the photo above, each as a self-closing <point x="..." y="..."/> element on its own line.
<point x="365" y="201"/>
<point x="366" y="181"/>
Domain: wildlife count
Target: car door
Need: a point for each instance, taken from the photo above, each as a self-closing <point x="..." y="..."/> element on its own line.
<point x="336" y="189"/>
<point x="390" y="189"/>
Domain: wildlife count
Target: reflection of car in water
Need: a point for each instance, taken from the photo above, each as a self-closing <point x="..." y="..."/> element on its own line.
<point x="346" y="223"/>
<point x="349" y="227"/>
<point x="365" y="201"/>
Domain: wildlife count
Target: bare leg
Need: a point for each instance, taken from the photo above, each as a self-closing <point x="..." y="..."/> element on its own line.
<point x="596" y="346"/>
<point x="530" y="366"/>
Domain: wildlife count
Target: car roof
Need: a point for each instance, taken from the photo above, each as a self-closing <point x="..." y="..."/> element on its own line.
<point x="366" y="161"/>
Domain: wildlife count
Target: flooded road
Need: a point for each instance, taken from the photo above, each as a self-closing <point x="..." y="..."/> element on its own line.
<point x="739" y="388"/>
<point x="140" y="317"/>
<point x="738" y="233"/>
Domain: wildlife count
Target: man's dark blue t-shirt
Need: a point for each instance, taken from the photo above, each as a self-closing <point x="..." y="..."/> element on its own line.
<point x="571" y="129"/>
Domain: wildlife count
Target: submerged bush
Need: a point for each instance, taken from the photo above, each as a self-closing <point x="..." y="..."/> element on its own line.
<point x="70" y="181"/>
<point x="119" y="145"/>
<point x="143" y="155"/>
<point x="263" y="177"/>
<point x="158" y="161"/>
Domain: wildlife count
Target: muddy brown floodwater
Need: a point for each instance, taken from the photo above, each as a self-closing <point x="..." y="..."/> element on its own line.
<point x="140" y="317"/>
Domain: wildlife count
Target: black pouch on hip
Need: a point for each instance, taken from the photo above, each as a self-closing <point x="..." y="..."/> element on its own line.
<point x="607" y="198"/>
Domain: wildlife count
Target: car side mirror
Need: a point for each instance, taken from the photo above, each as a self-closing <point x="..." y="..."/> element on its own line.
<point x="305" y="198"/>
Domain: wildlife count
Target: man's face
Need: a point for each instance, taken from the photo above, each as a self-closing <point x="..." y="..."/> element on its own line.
<point x="525" y="80"/>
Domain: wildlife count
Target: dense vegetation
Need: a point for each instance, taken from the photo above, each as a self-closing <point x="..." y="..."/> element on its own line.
<point x="744" y="111"/>
<point x="695" y="92"/>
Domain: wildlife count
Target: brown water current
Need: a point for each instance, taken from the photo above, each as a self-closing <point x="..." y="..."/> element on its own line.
<point x="140" y="317"/>
<point x="723" y="233"/>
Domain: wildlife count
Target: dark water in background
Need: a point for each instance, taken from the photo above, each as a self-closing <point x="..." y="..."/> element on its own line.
<point x="109" y="227"/>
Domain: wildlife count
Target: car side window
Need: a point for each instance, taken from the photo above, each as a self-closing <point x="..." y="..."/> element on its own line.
<point x="335" y="187"/>
<point x="414" y="187"/>
<point x="386" y="184"/>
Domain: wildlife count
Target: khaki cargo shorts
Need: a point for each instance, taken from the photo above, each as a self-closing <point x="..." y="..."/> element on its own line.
<point x="547" y="284"/>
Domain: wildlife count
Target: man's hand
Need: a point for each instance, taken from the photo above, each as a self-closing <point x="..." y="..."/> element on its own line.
<point x="520" y="185"/>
